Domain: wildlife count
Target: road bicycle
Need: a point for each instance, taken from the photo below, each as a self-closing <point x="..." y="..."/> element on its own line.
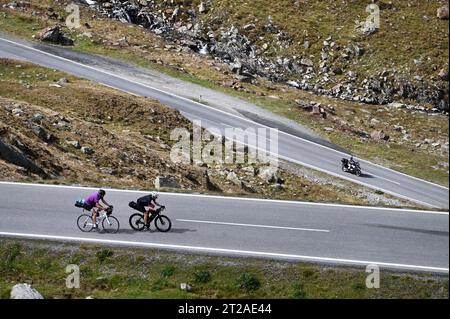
<point x="162" y="222"/>
<point x="110" y="224"/>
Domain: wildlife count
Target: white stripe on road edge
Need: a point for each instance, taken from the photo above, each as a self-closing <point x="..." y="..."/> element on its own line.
<point x="262" y="200"/>
<point x="209" y="107"/>
<point x="228" y="251"/>
<point x="251" y="225"/>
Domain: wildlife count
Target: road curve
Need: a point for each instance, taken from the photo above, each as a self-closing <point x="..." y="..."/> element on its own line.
<point x="320" y="233"/>
<point x="290" y="147"/>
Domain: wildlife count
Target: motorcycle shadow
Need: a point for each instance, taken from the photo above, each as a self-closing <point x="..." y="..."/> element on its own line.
<point x="365" y="175"/>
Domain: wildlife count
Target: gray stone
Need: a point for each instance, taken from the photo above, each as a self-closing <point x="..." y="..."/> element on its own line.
<point x="307" y="62"/>
<point x="42" y="133"/>
<point x="87" y="150"/>
<point x="185" y="287"/>
<point x="75" y="144"/>
<point x="11" y="154"/>
<point x="379" y="136"/>
<point x="442" y="13"/>
<point x="268" y="174"/>
<point x="232" y="177"/>
<point x="25" y="291"/>
<point x="202" y="8"/>
<point x="166" y="182"/>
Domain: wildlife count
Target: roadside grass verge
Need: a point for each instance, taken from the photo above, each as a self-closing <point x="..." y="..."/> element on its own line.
<point x="147" y="273"/>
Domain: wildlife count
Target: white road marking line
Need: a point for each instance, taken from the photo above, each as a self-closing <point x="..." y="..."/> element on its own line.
<point x="251" y="225"/>
<point x="215" y="109"/>
<point x="262" y="200"/>
<point x="229" y="251"/>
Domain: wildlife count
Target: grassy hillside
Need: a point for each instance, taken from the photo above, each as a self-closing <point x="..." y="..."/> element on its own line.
<point x="106" y="273"/>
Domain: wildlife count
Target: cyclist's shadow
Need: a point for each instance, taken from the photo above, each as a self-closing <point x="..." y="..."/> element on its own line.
<point x="181" y="230"/>
<point x="132" y="231"/>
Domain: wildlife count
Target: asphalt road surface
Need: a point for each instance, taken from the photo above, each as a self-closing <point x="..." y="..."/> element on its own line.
<point x="319" y="233"/>
<point x="296" y="148"/>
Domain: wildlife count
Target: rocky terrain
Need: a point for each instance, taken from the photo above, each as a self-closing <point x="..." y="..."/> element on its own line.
<point x="320" y="63"/>
<point x="59" y="129"/>
<point x="404" y="135"/>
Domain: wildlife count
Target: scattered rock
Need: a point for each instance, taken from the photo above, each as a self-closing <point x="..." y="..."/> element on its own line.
<point x="75" y="144"/>
<point x="42" y="133"/>
<point x="249" y="170"/>
<point x="17" y="112"/>
<point x="38" y="117"/>
<point x="185" y="287"/>
<point x="166" y="182"/>
<point x="25" y="291"/>
<point x="307" y="62"/>
<point x="13" y="155"/>
<point x="232" y="177"/>
<point x="210" y="185"/>
<point x="443" y="74"/>
<point x="202" y="8"/>
<point x="379" y="136"/>
<point x="268" y="174"/>
<point x="87" y="150"/>
<point x="442" y="13"/>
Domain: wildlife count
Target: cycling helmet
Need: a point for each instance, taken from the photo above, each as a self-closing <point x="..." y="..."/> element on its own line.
<point x="155" y="194"/>
<point x="102" y="192"/>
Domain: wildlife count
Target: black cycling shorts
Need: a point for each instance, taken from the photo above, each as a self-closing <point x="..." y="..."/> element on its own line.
<point x="88" y="207"/>
<point x="140" y="208"/>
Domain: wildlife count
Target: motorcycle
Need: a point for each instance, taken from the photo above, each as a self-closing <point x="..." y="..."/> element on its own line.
<point x="351" y="166"/>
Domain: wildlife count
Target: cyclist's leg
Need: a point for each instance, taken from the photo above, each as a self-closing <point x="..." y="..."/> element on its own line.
<point x="94" y="216"/>
<point x="146" y="218"/>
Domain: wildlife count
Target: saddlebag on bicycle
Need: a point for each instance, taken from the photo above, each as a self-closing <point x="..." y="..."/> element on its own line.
<point x="133" y="205"/>
<point x="79" y="203"/>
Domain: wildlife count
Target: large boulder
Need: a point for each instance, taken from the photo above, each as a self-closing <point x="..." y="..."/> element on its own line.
<point x="25" y="291"/>
<point x="166" y="182"/>
<point x="54" y="35"/>
<point x="14" y="156"/>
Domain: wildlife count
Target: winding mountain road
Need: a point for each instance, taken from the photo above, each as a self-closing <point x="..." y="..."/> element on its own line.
<point x="295" y="143"/>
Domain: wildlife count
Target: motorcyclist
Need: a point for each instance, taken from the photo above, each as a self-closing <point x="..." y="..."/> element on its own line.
<point x="352" y="162"/>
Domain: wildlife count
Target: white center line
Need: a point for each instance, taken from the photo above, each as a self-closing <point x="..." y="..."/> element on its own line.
<point x="251" y="225"/>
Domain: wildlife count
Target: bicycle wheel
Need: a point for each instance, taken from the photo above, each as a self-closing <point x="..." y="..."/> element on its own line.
<point x="110" y="225"/>
<point x="85" y="223"/>
<point x="137" y="222"/>
<point x="163" y="223"/>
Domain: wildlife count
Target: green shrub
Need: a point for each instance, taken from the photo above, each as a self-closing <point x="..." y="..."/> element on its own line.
<point x="357" y="286"/>
<point x="249" y="282"/>
<point x="309" y="273"/>
<point x="168" y="271"/>
<point x="9" y="255"/>
<point x="104" y="254"/>
<point x="299" y="292"/>
<point x="161" y="284"/>
<point x="202" y="277"/>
